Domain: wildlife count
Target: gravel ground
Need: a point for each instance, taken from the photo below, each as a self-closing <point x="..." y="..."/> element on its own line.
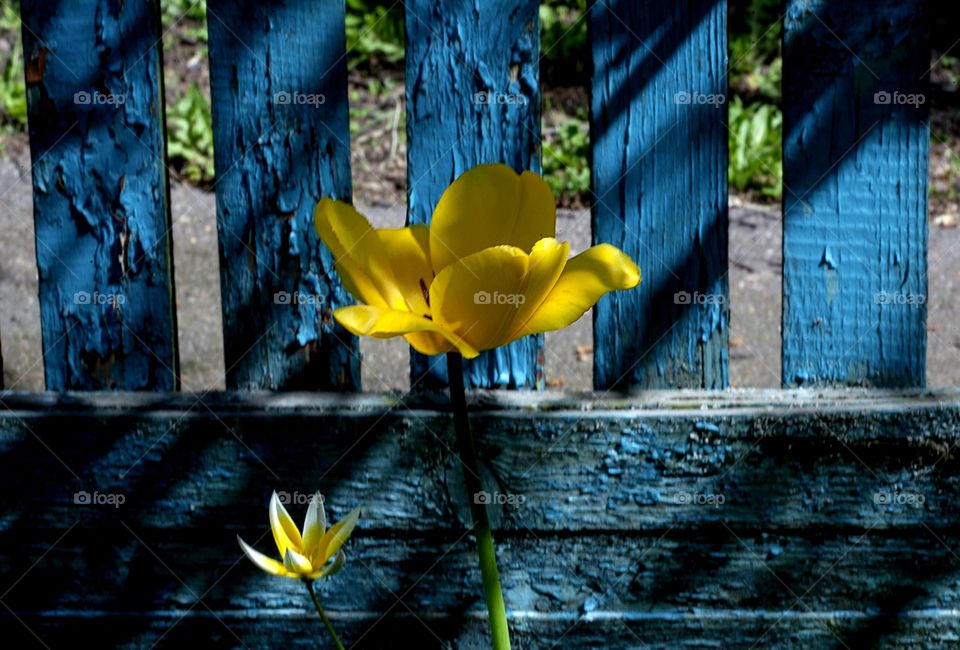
<point x="754" y="294"/>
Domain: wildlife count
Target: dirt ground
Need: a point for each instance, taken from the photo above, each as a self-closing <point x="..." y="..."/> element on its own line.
<point x="755" y="276"/>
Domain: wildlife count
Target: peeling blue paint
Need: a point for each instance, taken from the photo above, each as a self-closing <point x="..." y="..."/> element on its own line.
<point x="855" y="193"/>
<point x="456" y="50"/>
<point x="278" y="83"/>
<point x="101" y="207"/>
<point x="659" y="177"/>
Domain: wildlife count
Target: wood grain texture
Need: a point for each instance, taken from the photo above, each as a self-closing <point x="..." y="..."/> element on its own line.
<point x="281" y="134"/>
<point x="836" y="521"/>
<point x="473" y="97"/>
<point x="856" y="139"/>
<point x="659" y="169"/>
<point x="298" y="629"/>
<point x="100" y="196"/>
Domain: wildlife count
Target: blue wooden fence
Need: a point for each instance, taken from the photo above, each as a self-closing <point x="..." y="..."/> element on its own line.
<point x="104" y="253"/>
<point x="603" y="553"/>
<point x="854" y="187"/>
<point x="855" y="193"/>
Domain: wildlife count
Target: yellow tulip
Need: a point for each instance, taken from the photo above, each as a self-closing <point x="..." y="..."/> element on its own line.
<point x="306" y="555"/>
<point x="486" y="272"/>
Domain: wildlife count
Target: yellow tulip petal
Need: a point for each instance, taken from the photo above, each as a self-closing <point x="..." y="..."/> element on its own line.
<point x="359" y="255"/>
<point x="356" y="280"/>
<point x="366" y="320"/>
<point x="314" y="524"/>
<point x="338" y="534"/>
<point x="262" y="561"/>
<point x="584" y="280"/>
<point x="429" y="343"/>
<point x="296" y="563"/>
<point x="285" y="532"/>
<point x="490" y="205"/>
<point x="408" y="250"/>
<point x="547" y="260"/>
<point x="479" y="296"/>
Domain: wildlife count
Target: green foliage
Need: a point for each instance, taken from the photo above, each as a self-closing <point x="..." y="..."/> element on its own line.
<point x="754" y="31"/>
<point x="174" y="10"/>
<point x="13" y="95"/>
<point x="374" y="33"/>
<point x="951" y="67"/>
<point x="564" y="44"/>
<point x="10" y="17"/>
<point x="190" y="136"/>
<point x="13" y="90"/>
<point x="189" y="17"/>
<point x="756" y="163"/>
<point x="566" y="168"/>
<point x="755" y="119"/>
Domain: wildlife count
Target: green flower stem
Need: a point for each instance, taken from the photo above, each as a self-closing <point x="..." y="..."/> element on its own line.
<point x="323" y="615"/>
<point x="481" y="523"/>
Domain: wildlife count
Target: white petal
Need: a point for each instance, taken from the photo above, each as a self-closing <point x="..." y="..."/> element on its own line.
<point x="314" y="525"/>
<point x="285" y="532"/>
<point x="267" y="564"/>
<point x="296" y="564"/>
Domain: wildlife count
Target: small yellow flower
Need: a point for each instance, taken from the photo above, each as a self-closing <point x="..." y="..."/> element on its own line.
<point x="486" y="272"/>
<point x="305" y="556"/>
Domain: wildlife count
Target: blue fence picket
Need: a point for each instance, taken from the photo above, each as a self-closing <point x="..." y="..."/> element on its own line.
<point x="473" y="97"/>
<point x="659" y="141"/>
<point x="856" y="140"/>
<point x="281" y="136"/>
<point x="100" y="198"/>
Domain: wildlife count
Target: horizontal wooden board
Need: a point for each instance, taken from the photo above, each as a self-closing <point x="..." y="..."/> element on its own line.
<point x="298" y="630"/>
<point x="789" y="519"/>
<point x="715" y="569"/>
<point x="577" y="465"/>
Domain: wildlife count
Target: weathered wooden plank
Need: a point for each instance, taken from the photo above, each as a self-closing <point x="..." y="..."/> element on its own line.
<point x="620" y="538"/>
<point x="659" y="169"/>
<point x="712" y="591"/>
<point x="281" y="134"/>
<point x="100" y="198"/>
<point x="473" y="97"/>
<point x="715" y="570"/>
<point x="856" y="138"/>
<point x="588" y="466"/>
<point x="298" y="629"/>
